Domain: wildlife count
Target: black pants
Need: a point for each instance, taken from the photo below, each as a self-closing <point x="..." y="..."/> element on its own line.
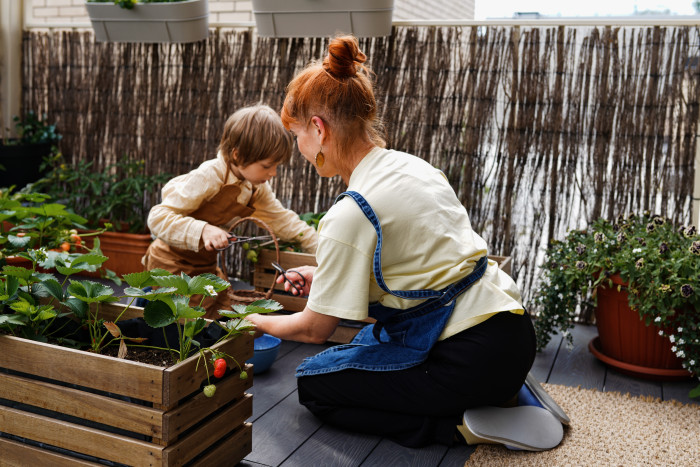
<point x="484" y="365"/>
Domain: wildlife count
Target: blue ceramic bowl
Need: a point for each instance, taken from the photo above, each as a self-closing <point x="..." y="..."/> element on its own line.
<point x="265" y="349"/>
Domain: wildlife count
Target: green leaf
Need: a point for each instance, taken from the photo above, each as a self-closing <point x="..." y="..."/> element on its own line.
<point x="178" y="282"/>
<point x="78" y="307"/>
<point x="53" y="287"/>
<point x="22" y="307"/>
<point x="89" y="259"/>
<point x="138" y="280"/>
<point x="17" y="271"/>
<point x="91" y="292"/>
<point x="158" y="314"/>
<point x="267" y="304"/>
<point x="45" y="312"/>
<point x="192" y="328"/>
<point x="15" y="320"/>
<point x="19" y="242"/>
<point x="66" y="271"/>
<point x="197" y="284"/>
<point x="695" y="392"/>
<point x="150" y="295"/>
<point x="10" y="285"/>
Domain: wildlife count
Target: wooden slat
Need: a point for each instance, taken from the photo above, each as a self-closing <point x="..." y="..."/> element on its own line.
<point x="186" y="377"/>
<point x="278" y="382"/>
<point x="14" y="454"/>
<point x="390" y="453"/>
<point x="82" y="404"/>
<point x="101" y="372"/>
<point x="200" y="406"/>
<point x="231" y="451"/>
<point x="353" y="448"/>
<point x="110" y="311"/>
<point x="200" y="439"/>
<point x="78" y="438"/>
<point x="617" y="382"/>
<point x="274" y="440"/>
<point x="578" y="366"/>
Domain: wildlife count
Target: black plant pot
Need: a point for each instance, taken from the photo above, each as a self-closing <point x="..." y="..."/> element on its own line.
<point x="21" y="163"/>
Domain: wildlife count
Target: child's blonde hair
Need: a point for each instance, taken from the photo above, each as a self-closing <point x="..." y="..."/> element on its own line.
<point x="258" y="134"/>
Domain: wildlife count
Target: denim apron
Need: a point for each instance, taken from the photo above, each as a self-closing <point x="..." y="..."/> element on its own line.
<point x="400" y="338"/>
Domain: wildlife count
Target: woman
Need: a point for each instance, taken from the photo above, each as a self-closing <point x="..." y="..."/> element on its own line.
<point x="397" y="246"/>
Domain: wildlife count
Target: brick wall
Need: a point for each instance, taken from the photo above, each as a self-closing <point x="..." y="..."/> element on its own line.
<point x="221" y="11"/>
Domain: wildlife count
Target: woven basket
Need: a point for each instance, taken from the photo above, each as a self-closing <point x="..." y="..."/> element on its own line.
<point x="246" y="297"/>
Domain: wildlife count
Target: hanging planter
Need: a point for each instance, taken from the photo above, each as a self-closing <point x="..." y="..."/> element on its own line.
<point x="183" y="21"/>
<point x="316" y="18"/>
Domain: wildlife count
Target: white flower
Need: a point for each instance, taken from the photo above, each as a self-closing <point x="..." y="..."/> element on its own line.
<point x="672" y="338"/>
<point x="637" y="250"/>
<point x="210" y="290"/>
<point x="680" y="354"/>
<point x="661" y="333"/>
<point x="674" y="348"/>
<point x="680" y="329"/>
<point x="657" y="319"/>
<point x="681" y="341"/>
<point x="692" y="363"/>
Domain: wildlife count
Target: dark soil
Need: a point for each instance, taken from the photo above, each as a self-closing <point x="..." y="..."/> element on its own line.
<point x="155" y="357"/>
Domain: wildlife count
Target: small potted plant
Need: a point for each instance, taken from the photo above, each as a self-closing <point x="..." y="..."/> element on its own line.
<point x="21" y="157"/>
<point x="117" y="199"/>
<point x="639" y="274"/>
<point x="149" y="20"/>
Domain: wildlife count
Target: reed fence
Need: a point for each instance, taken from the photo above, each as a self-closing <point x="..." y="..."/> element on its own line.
<point x="538" y="129"/>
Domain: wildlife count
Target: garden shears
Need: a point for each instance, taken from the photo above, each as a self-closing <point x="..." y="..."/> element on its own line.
<point x="233" y="240"/>
<point x="301" y="280"/>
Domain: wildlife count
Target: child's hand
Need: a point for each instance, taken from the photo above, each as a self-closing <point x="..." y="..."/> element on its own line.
<point x="214" y="237"/>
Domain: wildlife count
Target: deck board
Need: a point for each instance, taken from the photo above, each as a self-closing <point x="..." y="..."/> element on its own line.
<point x="286" y="434"/>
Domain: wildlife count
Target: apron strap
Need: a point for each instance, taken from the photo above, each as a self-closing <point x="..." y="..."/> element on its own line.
<point x="377" y="266"/>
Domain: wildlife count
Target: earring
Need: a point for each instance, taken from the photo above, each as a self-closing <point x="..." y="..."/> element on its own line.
<point x="320" y="159"/>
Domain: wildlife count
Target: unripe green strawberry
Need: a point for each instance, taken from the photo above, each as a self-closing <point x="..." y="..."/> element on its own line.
<point x="244" y="375"/>
<point x="209" y="390"/>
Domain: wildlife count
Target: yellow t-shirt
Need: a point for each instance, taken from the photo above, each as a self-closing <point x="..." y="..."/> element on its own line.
<point x="428" y="243"/>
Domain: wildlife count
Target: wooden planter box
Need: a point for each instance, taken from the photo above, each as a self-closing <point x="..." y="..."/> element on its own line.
<point x="313" y="18"/>
<point x="264" y="274"/>
<point x="163" y="419"/>
<point x="186" y="21"/>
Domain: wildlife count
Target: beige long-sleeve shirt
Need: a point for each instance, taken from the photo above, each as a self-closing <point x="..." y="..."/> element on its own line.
<point x="170" y="220"/>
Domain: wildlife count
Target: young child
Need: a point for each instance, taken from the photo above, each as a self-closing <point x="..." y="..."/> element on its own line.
<point x="198" y="208"/>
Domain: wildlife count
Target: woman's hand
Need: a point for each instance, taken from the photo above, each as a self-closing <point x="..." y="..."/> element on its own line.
<point x="307" y="272"/>
<point x="214" y="237"/>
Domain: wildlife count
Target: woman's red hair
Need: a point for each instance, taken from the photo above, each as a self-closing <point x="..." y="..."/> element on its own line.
<point x="339" y="90"/>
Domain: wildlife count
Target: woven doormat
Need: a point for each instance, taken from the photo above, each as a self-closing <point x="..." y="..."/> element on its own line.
<point x="609" y="428"/>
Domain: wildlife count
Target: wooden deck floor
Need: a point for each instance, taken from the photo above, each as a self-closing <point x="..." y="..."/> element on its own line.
<point x="286" y="434"/>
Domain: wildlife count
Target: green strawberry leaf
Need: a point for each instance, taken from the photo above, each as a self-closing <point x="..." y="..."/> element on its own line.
<point x="158" y="314"/>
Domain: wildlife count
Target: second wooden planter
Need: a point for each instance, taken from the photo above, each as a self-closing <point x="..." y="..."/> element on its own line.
<point x="60" y="406"/>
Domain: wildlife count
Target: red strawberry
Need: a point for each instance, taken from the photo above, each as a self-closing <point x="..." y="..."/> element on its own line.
<point x="219" y="367"/>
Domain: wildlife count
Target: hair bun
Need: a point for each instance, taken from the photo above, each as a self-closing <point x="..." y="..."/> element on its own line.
<point x="344" y="57"/>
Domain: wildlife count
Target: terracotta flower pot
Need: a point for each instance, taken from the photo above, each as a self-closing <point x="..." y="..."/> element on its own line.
<point x="626" y="343"/>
